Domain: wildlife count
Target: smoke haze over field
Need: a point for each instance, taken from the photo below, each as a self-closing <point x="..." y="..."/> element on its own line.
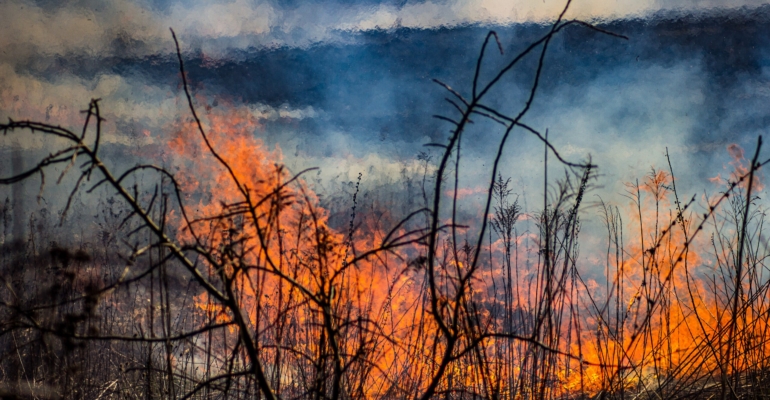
<point x="346" y="85"/>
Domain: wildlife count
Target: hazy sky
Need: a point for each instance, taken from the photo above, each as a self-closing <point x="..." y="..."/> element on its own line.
<point x="346" y="85"/>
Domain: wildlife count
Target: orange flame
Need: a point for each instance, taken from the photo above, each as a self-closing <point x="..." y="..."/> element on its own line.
<point x="653" y="316"/>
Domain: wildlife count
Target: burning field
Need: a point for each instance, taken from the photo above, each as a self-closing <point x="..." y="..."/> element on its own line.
<point x="211" y="266"/>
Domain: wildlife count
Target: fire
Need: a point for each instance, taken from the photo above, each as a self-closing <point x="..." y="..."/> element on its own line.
<point x="296" y="240"/>
<point x="658" y="314"/>
<point x="669" y="318"/>
<point x="739" y="168"/>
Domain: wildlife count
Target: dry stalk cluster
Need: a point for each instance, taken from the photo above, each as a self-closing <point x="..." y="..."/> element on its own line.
<point x="248" y="292"/>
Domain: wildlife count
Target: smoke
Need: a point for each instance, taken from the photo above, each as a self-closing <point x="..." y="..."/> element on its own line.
<point x="347" y="86"/>
<point x="125" y="28"/>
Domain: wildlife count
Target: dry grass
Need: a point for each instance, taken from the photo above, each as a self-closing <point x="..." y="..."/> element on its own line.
<point x="254" y="294"/>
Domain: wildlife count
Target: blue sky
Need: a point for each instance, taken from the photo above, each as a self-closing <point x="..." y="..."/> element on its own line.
<point x="346" y="85"/>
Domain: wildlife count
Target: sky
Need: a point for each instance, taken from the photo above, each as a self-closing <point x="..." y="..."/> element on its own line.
<point x="347" y="85"/>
